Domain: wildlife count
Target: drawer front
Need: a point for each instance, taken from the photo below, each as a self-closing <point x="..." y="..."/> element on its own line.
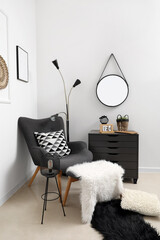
<point x="127" y="165"/>
<point x="112" y="143"/>
<point x="120" y="157"/>
<point x="113" y="150"/>
<point x="131" y="173"/>
<point x="113" y="137"/>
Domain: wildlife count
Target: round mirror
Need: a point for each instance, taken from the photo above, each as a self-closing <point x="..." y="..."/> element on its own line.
<point x="112" y="90"/>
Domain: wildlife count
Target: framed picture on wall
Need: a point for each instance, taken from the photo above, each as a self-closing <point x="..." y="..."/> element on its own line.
<point x="22" y="64"/>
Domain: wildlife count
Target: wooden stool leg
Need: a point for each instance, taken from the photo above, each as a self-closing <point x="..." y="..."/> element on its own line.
<point x="33" y="177"/>
<point x="70" y="180"/>
<point x="59" y="183"/>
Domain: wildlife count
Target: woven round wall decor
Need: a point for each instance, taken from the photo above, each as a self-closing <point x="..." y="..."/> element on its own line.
<point x="4" y="76"/>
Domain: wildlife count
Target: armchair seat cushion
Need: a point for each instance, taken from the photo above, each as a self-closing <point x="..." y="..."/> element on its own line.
<point x="74" y="158"/>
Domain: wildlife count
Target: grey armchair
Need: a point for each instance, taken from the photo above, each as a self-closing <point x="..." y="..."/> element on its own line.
<point x="79" y="152"/>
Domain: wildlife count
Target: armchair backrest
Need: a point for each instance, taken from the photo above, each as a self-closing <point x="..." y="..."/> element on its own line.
<point x="28" y="126"/>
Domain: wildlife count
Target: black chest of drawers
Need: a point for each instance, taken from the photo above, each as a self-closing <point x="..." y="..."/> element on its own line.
<point x="118" y="148"/>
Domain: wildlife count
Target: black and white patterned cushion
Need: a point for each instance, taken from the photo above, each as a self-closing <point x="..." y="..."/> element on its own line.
<point x="53" y="142"/>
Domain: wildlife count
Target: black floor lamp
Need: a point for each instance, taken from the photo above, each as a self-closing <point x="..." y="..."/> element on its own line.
<point x="77" y="82"/>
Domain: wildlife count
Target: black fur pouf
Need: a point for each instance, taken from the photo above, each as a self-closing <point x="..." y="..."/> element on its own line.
<point x="115" y="223"/>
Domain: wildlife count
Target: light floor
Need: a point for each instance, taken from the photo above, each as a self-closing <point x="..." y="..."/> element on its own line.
<point x="20" y="216"/>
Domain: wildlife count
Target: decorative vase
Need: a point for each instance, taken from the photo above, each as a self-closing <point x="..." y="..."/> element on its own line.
<point x="122" y="122"/>
<point x="119" y="122"/>
<point x="125" y="123"/>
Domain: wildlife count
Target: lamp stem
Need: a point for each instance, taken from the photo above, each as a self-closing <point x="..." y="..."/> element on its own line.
<point x="67" y="109"/>
<point x="67" y="122"/>
<point x="65" y="93"/>
<point x="67" y="127"/>
<point x="68" y="99"/>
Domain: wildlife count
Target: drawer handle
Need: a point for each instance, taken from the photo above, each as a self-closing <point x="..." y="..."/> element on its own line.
<point x="113" y="153"/>
<point x="112" y="135"/>
<point x="113" y="147"/>
<point x="113" y="141"/>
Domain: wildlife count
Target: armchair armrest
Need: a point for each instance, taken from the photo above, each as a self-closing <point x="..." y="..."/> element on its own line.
<point x="43" y="156"/>
<point x="77" y="146"/>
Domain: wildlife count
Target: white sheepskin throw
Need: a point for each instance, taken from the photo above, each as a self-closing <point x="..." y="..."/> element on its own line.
<point x="141" y="202"/>
<point x="100" y="181"/>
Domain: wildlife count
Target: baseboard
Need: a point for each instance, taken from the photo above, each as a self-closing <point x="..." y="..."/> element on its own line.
<point x="149" y="169"/>
<point x="15" y="189"/>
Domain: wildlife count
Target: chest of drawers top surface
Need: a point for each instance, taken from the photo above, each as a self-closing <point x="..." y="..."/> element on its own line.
<point x="95" y="135"/>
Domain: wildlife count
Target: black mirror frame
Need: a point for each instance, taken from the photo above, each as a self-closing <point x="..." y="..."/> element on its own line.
<point x="123" y="80"/>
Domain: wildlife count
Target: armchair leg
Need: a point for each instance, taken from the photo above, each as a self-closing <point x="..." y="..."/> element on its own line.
<point x="70" y="180"/>
<point x="59" y="183"/>
<point x="34" y="175"/>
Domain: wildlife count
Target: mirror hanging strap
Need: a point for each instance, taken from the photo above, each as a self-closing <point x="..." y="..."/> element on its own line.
<point x="112" y="55"/>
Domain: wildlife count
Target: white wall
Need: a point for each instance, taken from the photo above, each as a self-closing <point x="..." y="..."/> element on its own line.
<point x="82" y="35"/>
<point x="15" y="163"/>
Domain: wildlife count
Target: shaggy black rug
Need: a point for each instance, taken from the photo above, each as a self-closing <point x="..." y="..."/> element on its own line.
<point x="114" y="223"/>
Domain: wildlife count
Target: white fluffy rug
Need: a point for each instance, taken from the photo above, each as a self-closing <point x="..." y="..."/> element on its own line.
<point x="100" y="181"/>
<point x="142" y="202"/>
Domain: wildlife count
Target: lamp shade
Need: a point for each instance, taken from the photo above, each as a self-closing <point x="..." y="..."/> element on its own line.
<point x="77" y="82"/>
<point x="55" y="62"/>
